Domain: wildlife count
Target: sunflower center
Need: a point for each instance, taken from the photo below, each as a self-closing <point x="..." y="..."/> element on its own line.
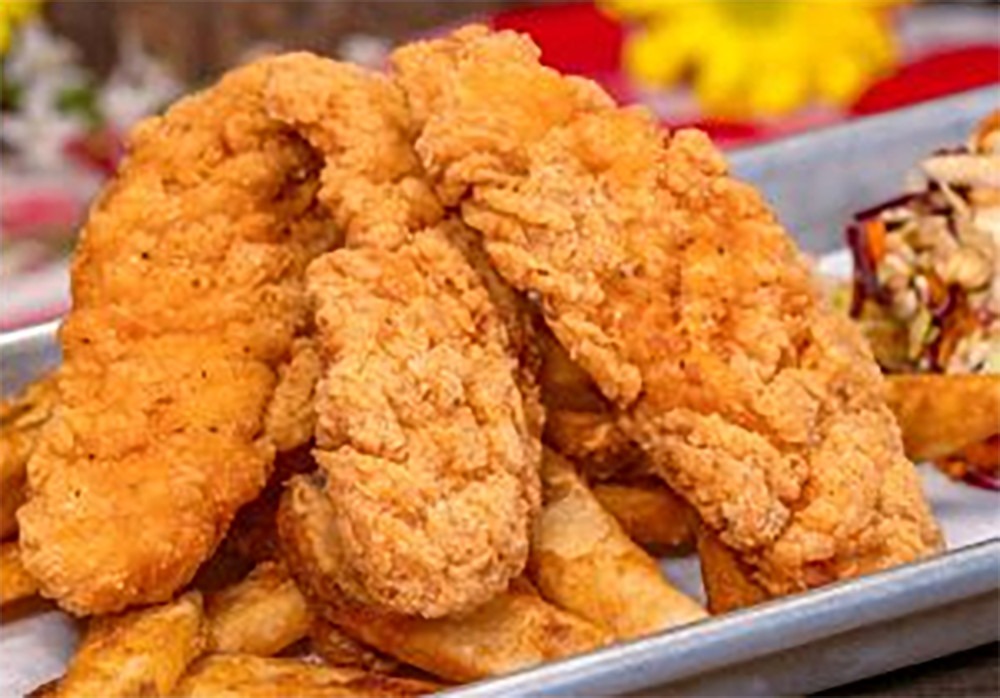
<point x="755" y="13"/>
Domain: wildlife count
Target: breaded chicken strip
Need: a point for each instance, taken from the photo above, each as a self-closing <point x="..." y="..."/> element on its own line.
<point x="674" y="287"/>
<point x="373" y="181"/>
<point x="422" y="434"/>
<point x="429" y="419"/>
<point x="513" y="630"/>
<point x="359" y="122"/>
<point x="189" y="302"/>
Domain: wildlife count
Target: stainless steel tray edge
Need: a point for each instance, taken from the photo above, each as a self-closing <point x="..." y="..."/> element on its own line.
<point x="26" y="354"/>
<point x="739" y="654"/>
<point x="817" y="180"/>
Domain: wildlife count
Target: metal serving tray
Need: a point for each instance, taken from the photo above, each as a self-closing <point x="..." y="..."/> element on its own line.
<point x="812" y="641"/>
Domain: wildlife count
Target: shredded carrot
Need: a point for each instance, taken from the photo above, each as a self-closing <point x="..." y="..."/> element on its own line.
<point x="937" y="292"/>
<point x="956" y="324"/>
<point x="875" y="239"/>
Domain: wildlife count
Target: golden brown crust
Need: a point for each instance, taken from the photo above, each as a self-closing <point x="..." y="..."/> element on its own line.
<point x="426" y="447"/>
<point x="21" y="422"/>
<point x="358" y="121"/>
<point x="514" y="630"/>
<point x="139" y="653"/>
<point x="673" y="286"/>
<point x="15" y="582"/>
<point x="188" y="295"/>
<point x="428" y="419"/>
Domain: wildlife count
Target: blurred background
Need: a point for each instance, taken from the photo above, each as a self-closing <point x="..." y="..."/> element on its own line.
<point x="75" y="75"/>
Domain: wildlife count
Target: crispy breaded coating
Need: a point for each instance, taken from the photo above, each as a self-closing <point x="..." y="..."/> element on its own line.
<point x="422" y="434"/>
<point x="358" y="120"/>
<point x="188" y="299"/>
<point x="428" y="412"/>
<point x="513" y="630"/>
<point x="21" y="420"/>
<point x="675" y="288"/>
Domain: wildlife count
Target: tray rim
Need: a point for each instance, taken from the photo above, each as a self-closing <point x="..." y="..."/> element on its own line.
<point x="734" y="638"/>
<point x="686" y="653"/>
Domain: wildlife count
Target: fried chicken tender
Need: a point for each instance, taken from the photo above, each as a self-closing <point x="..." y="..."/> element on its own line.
<point x="429" y="424"/>
<point x="422" y="433"/>
<point x="672" y="285"/>
<point x="359" y="122"/>
<point x="513" y="630"/>
<point x="189" y="303"/>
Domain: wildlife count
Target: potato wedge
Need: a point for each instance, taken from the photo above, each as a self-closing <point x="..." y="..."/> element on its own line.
<point x="942" y="414"/>
<point x="21" y="421"/>
<point x="337" y="648"/>
<point x="262" y="615"/>
<point x="140" y="653"/>
<point x="514" y="630"/>
<point x="583" y="562"/>
<point x="649" y="512"/>
<point x="727" y="585"/>
<point x="15" y="582"/>
<point x="247" y="676"/>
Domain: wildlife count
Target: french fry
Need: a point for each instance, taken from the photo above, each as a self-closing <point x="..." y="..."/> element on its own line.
<point x="248" y="676"/>
<point x="727" y="585"/>
<point x="15" y="582"/>
<point x="262" y="615"/>
<point x="649" y="512"/>
<point x="21" y="421"/>
<point x="942" y="414"/>
<point x="337" y="648"/>
<point x="583" y="562"/>
<point x="139" y="653"/>
<point x="514" y="630"/>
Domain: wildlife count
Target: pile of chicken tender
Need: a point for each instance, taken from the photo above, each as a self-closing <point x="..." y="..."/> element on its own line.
<point x="380" y="382"/>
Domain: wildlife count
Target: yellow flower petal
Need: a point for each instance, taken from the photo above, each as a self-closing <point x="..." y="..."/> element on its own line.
<point x="842" y="81"/>
<point x="20" y="9"/>
<point x="722" y="80"/>
<point x="635" y="8"/>
<point x="12" y="13"/>
<point x="785" y="89"/>
<point x="660" y="55"/>
<point x="769" y="56"/>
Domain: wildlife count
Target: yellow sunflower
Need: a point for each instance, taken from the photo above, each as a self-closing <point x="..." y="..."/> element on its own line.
<point x="760" y="57"/>
<point x="12" y="13"/>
